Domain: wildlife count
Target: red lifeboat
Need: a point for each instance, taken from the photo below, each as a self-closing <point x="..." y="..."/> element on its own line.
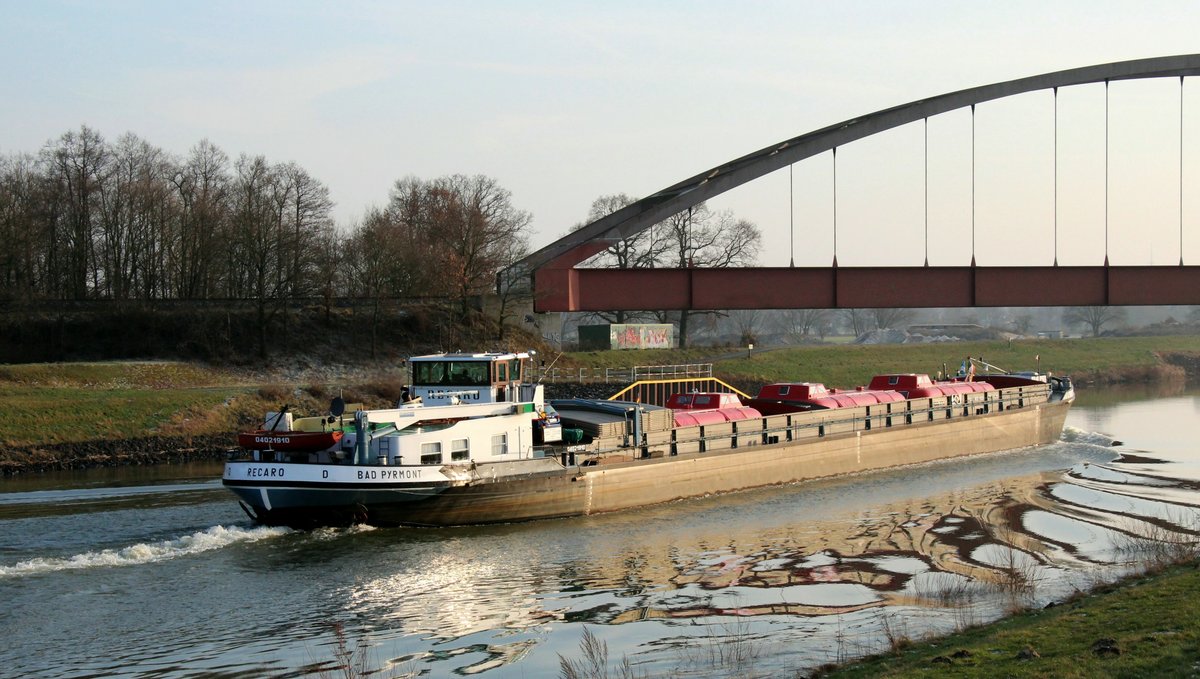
<point x="708" y="408"/>
<point x="290" y="441"/>
<point x="793" y="397"/>
<point x="918" y="385"/>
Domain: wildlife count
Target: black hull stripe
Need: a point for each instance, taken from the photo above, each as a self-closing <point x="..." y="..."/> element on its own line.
<point x="337" y="486"/>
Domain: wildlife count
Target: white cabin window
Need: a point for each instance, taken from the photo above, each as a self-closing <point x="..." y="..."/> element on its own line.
<point x="431" y="453"/>
<point x="500" y="444"/>
<point x="459" y="450"/>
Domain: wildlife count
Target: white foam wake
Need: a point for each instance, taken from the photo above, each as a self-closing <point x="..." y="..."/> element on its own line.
<point x="1082" y="436"/>
<point x="203" y="541"/>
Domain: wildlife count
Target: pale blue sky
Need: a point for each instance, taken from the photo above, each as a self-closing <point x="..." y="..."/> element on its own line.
<point x="563" y="102"/>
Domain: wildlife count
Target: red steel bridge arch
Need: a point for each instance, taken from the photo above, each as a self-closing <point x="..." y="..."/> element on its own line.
<point x="559" y="286"/>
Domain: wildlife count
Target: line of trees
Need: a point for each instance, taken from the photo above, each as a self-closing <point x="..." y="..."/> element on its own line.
<point x="90" y="219"/>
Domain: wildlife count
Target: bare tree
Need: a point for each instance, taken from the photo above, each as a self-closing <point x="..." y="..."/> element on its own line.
<point x="638" y="251"/>
<point x="23" y="229"/>
<point x="702" y="238"/>
<point x="1022" y="323"/>
<point x="328" y="277"/>
<point x="747" y="322"/>
<point x="77" y="162"/>
<point x="642" y="250"/>
<point x="512" y="288"/>
<point x="201" y="228"/>
<point x="890" y="318"/>
<point x="801" y="322"/>
<point x="858" y="320"/>
<point x="135" y="202"/>
<point x="378" y="266"/>
<point x="1094" y="317"/>
<point x="262" y="247"/>
<point x="473" y="223"/>
<point x="306" y="215"/>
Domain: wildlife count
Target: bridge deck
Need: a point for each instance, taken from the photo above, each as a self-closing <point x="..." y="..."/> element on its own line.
<point x="863" y="287"/>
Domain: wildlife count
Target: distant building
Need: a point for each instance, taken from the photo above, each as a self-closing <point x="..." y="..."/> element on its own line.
<point x="1050" y="334"/>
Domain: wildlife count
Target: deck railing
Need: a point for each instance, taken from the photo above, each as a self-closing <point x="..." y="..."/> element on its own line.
<point x="621" y="375"/>
<point x="818" y="424"/>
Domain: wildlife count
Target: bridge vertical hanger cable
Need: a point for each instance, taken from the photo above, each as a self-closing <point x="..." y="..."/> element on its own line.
<point x="927" y="191"/>
<point x="1180" y="170"/>
<point x="1106" y="172"/>
<point x="1055" y="176"/>
<point x="792" y="216"/>
<point x="972" y="184"/>
<point x="835" y="207"/>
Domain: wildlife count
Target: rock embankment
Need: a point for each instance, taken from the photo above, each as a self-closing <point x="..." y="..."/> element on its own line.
<point x="147" y="450"/>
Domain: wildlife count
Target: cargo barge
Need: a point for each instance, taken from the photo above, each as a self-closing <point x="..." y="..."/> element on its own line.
<point x="472" y="443"/>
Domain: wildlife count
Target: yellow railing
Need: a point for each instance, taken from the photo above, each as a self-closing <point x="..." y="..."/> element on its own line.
<point x="656" y="392"/>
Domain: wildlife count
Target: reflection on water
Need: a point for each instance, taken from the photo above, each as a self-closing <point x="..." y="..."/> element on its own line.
<point x="829" y="583"/>
<point x="1091" y="397"/>
<point x="756" y="583"/>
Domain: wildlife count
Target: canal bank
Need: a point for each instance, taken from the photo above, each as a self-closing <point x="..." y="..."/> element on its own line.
<point x="130" y="452"/>
<point x="1144" y="626"/>
<point x="143" y="413"/>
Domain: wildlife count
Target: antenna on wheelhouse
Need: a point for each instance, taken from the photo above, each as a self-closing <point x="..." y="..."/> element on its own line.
<point x="542" y="373"/>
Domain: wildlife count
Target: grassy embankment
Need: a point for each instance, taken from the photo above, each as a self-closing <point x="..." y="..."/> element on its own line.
<point x="49" y="403"/>
<point x="60" y="415"/>
<point x="1142" y="627"/>
<point x="61" y="404"/>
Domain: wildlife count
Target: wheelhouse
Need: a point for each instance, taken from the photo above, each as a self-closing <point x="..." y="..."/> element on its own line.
<point x="445" y="379"/>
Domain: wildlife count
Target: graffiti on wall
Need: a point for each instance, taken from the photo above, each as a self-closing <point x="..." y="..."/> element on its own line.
<point x="641" y="336"/>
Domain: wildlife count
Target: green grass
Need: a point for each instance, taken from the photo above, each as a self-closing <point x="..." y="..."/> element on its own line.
<point x="36" y="415"/>
<point x="627" y="358"/>
<point x="114" y="375"/>
<point x="49" y="403"/>
<point x="46" y="403"/>
<point x="1154" y="622"/>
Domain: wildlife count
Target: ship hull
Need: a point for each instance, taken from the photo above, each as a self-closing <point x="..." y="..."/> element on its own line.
<point x="544" y="488"/>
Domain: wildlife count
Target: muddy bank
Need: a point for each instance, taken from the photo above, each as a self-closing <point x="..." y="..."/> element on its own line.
<point x="1171" y="367"/>
<point x="1188" y="362"/>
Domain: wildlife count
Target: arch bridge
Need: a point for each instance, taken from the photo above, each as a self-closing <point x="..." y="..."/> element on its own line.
<point x="559" y="286"/>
